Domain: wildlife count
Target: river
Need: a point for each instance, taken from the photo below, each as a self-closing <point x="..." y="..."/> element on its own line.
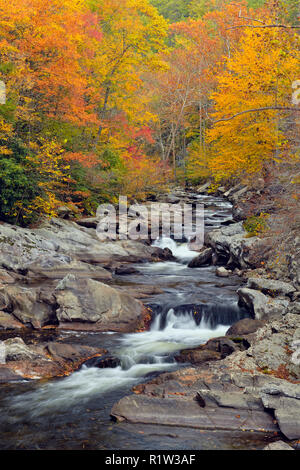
<point x="74" y="412"/>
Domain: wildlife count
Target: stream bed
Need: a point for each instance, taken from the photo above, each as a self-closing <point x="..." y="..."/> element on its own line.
<point x="74" y="412"/>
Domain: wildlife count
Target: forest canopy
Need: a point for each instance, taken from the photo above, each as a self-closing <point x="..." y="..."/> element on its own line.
<point x="108" y="97"/>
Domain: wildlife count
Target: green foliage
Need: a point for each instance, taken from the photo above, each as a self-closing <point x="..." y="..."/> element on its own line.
<point x="256" y="225"/>
<point x="18" y="185"/>
<point x="173" y="10"/>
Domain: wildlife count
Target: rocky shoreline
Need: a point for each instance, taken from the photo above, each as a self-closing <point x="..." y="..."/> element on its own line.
<point x="248" y="380"/>
<point x="60" y="277"/>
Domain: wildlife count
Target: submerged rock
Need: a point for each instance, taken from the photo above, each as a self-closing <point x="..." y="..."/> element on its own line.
<point x="204" y="257"/>
<point x="223" y="272"/>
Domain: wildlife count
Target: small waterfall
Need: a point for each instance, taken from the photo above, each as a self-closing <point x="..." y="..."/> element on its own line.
<point x="181" y="251"/>
<point x="211" y="315"/>
<point x="140" y="354"/>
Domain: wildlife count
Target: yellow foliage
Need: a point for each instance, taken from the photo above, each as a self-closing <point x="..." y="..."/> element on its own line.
<point x="259" y="75"/>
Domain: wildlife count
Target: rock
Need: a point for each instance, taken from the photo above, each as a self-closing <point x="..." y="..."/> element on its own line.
<point x="203" y="188"/>
<point x="235" y="196"/>
<point x="271" y="287"/>
<point x="232" y="190"/>
<point x="40" y="361"/>
<point x="35" y="306"/>
<point x="16" y="350"/>
<point x="294" y="308"/>
<point x="7" y="375"/>
<point x="285" y="400"/>
<point x="232" y="245"/>
<point x="63" y="241"/>
<point x="73" y="353"/>
<point x="164" y="254"/>
<point x="278" y="445"/>
<point x="197" y="356"/>
<point x="96" y="306"/>
<point x="178" y="412"/>
<point x="245" y="326"/>
<point x="64" y="212"/>
<point x="223" y="272"/>
<point x="214" y="350"/>
<point x="103" y="362"/>
<point x="173" y="199"/>
<point x="223" y="345"/>
<point x="125" y="270"/>
<point x="57" y="267"/>
<point x="203" y="258"/>
<point x="260" y="305"/>
<point x="88" y="222"/>
<point x="7" y="278"/>
<point x="272" y="350"/>
<point x="8" y="322"/>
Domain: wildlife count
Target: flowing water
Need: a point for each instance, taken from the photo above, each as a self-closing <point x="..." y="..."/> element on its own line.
<point x="74" y="412"/>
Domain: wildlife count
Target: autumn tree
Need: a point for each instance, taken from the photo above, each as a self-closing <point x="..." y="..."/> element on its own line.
<point x="251" y="101"/>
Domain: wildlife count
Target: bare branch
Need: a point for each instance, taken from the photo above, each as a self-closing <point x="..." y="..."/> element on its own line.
<point x="255" y="110"/>
<point x="264" y="26"/>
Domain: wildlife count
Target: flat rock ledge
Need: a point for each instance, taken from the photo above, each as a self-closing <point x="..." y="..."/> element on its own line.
<point x="196" y="398"/>
<point x="256" y="390"/>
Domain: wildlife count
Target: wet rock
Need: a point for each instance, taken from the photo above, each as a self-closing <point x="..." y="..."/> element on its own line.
<point x="15" y="350"/>
<point x="7" y="375"/>
<point x="260" y="305"/>
<point x="245" y="326"/>
<point x="72" y="352"/>
<point x="103" y="362"/>
<point x="187" y="412"/>
<point x="278" y="445"/>
<point x="197" y="356"/>
<point x="163" y="254"/>
<point x="223" y="272"/>
<point x="96" y="306"/>
<point x="203" y="258"/>
<point x="124" y="270"/>
<point x="271" y="287"/>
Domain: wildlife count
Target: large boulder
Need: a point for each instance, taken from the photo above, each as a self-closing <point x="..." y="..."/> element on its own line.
<point x="43" y="360"/>
<point x="260" y="305"/>
<point x="245" y="326"/>
<point x="91" y="305"/>
<point x="204" y="257"/>
<point x="271" y="287"/>
<point x="34" y="307"/>
<point x="232" y="245"/>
